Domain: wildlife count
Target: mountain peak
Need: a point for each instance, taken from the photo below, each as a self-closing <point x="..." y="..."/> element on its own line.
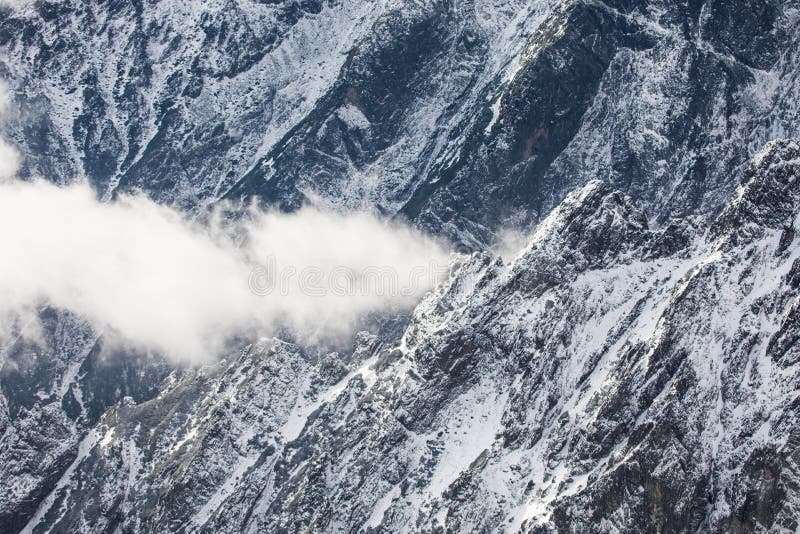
<point x="592" y="225"/>
<point x="768" y="197"/>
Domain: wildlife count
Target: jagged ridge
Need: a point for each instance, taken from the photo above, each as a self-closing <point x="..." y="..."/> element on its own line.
<point x="633" y="383"/>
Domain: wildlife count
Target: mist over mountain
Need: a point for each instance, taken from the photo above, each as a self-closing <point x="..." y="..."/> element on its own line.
<point x="155" y="280"/>
<point x="228" y="299"/>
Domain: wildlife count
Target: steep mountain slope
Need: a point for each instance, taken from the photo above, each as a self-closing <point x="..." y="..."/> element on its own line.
<point x="177" y="98"/>
<point x="465" y="116"/>
<point x="612" y="377"/>
<point x="541" y="392"/>
<point x="56" y="383"/>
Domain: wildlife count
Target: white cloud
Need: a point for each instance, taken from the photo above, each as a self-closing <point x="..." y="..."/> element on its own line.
<point x="9" y="158"/>
<point x="161" y="282"/>
<point x="509" y="242"/>
<point x="9" y="161"/>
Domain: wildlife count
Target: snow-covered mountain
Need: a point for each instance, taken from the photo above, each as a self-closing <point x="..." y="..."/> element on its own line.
<point x="631" y="368"/>
<point x="463" y="115"/>
<point x="610" y="377"/>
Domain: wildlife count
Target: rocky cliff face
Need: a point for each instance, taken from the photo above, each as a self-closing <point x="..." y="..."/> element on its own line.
<point x="632" y="368"/>
<point x="56" y="383"/>
<point x="464" y="116"/>
<point x="611" y="377"/>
